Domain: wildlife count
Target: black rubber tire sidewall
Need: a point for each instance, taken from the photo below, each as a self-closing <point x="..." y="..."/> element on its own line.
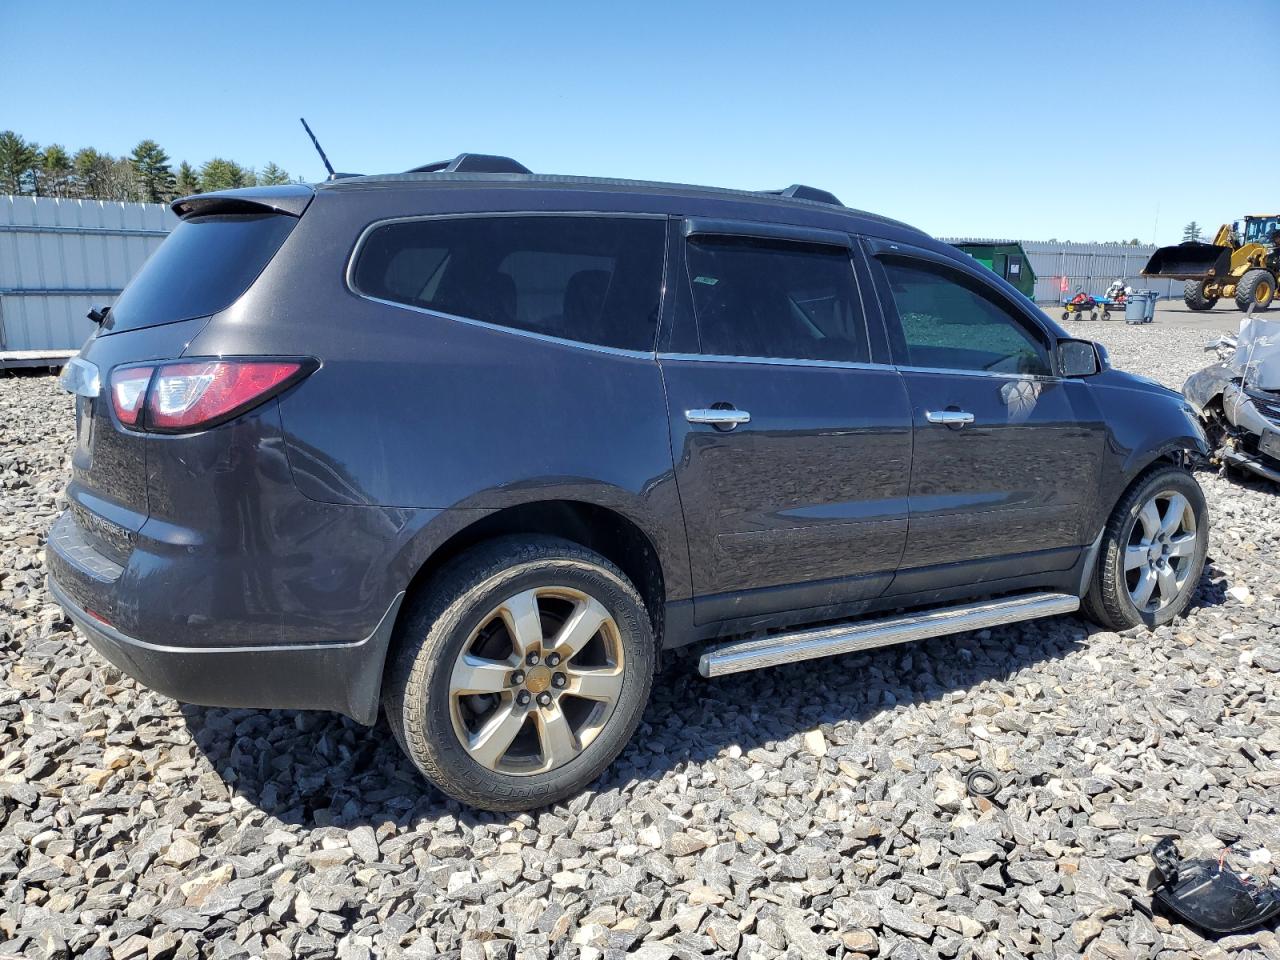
<point x="1246" y="290"/>
<point x="1193" y="296"/>
<point x="1108" y="602"/>
<point x="434" y="637"/>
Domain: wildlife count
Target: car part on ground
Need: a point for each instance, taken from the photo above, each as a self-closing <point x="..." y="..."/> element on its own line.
<point x="981" y="782"/>
<point x="1210" y="895"/>
<point x="1239" y="398"/>
<point x="1243" y="262"/>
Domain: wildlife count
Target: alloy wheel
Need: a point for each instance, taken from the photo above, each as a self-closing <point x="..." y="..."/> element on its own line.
<point x="537" y="681"/>
<point x="1161" y="550"/>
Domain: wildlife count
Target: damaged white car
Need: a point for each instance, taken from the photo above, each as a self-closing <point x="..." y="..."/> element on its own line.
<point x="1239" y="398"/>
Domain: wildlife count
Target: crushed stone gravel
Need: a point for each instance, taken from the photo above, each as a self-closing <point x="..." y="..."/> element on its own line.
<point x="813" y="810"/>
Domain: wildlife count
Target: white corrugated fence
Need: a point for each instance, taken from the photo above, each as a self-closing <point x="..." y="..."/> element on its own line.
<point x="60" y="257"/>
<point x="1092" y="267"/>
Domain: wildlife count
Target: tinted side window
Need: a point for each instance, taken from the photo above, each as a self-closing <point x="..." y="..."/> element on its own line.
<point x="763" y="298"/>
<point x="593" y="279"/>
<point x="950" y="323"/>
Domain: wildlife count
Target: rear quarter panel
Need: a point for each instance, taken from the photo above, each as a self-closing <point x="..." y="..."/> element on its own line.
<point x="416" y="410"/>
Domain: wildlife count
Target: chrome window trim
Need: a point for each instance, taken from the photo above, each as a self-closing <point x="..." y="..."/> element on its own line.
<point x="853" y="365"/>
<point x="349" y="274"/>
<point x="961" y="372"/>
<point x="778" y="361"/>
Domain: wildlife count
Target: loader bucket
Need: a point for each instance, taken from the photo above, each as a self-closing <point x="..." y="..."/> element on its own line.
<point x="1189" y="261"/>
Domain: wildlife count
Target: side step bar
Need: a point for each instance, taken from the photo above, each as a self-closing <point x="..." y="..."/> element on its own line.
<point x="752" y="654"/>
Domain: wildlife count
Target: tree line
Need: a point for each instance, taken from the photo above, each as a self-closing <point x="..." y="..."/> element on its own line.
<point x="146" y="174"/>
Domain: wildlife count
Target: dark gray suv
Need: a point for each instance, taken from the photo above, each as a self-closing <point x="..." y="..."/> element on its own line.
<point x="475" y="445"/>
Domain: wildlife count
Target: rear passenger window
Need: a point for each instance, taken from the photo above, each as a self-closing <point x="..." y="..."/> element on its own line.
<point x="592" y="279"/>
<point x="950" y="323"/>
<point x="765" y="298"/>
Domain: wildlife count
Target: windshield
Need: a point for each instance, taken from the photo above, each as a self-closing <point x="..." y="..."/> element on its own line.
<point x="1261" y="229"/>
<point x="202" y="267"/>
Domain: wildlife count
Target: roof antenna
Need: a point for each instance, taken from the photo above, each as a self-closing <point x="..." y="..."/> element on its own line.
<point x="320" y="150"/>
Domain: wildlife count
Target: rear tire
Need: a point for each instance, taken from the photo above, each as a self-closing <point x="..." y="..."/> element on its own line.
<point x="462" y="665"/>
<point x="1194" y="297"/>
<point x="1256" y="289"/>
<point x="1161" y="552"/>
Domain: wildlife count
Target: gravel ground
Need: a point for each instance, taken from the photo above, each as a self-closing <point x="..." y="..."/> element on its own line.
<point x="814" y="810"/>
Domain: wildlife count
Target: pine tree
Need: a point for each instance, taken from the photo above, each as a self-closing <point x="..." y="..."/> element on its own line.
<point x="90" y="172"/>
<point x="155" y="177"/>
<point x="220" y="174"/>
<point x="55" y="171"/>
<point x="186" y="182"/>
<point x="1191" y="232"/>
<point x="18" y="161"/>
<point x="272" y="175"/>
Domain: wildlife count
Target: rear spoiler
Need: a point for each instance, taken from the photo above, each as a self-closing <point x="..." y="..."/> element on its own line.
<point x="288" y="198"/>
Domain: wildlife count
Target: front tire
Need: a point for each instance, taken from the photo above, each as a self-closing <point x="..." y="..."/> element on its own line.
<point x="1256" y="289"/>
<point x="520" y="673"/>
<point x="1152" y="552"/>
<point x="1193" y="296"/>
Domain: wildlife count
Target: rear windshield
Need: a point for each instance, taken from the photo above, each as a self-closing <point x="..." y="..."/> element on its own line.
<point x="594" y="279"/>
<point x="202" y="267"/>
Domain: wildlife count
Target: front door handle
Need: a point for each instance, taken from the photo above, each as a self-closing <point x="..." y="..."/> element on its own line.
<point x="726" y="419"/>
<point x="950" y="418"/>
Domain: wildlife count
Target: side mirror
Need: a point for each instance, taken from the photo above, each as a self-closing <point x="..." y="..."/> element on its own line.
<point x="98" y="314"/>
<point x="1078" y="358"/>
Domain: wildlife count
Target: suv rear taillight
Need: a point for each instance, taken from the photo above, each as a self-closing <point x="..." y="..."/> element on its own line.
<point x="182" y="396"/>
<point x="128" y="390"/>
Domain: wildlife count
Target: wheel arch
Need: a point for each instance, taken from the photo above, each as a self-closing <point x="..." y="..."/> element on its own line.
<point x="605" y="530"/>
<point x="1180" y="452"/>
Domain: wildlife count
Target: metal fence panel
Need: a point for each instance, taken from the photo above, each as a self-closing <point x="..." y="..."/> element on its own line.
<point x="59" y="257"/>
<point x="1064" y="269"/>
<point x="1091" y="267"/>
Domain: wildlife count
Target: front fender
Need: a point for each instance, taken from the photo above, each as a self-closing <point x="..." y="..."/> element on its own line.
<point x="1145" y="423"/>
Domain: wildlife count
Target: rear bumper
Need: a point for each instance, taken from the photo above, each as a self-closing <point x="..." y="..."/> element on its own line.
<point x="345" y="678"/>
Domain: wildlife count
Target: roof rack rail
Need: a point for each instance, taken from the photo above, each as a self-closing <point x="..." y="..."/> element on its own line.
<point x="799" y="191"/>
<point x="474" y="163"/>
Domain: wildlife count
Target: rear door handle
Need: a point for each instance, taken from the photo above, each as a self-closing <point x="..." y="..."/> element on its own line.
<point x="718" y="418"/>
<point x="950" y="418"/>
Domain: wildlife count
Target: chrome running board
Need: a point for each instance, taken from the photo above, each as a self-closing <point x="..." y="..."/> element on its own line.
<point x="754" y="653"/>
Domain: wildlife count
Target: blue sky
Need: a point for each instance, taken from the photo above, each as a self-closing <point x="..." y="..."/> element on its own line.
<point x="1077" y="121"/>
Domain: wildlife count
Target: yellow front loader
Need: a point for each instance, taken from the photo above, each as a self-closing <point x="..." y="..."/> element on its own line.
<point x="1242" y="262"/>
